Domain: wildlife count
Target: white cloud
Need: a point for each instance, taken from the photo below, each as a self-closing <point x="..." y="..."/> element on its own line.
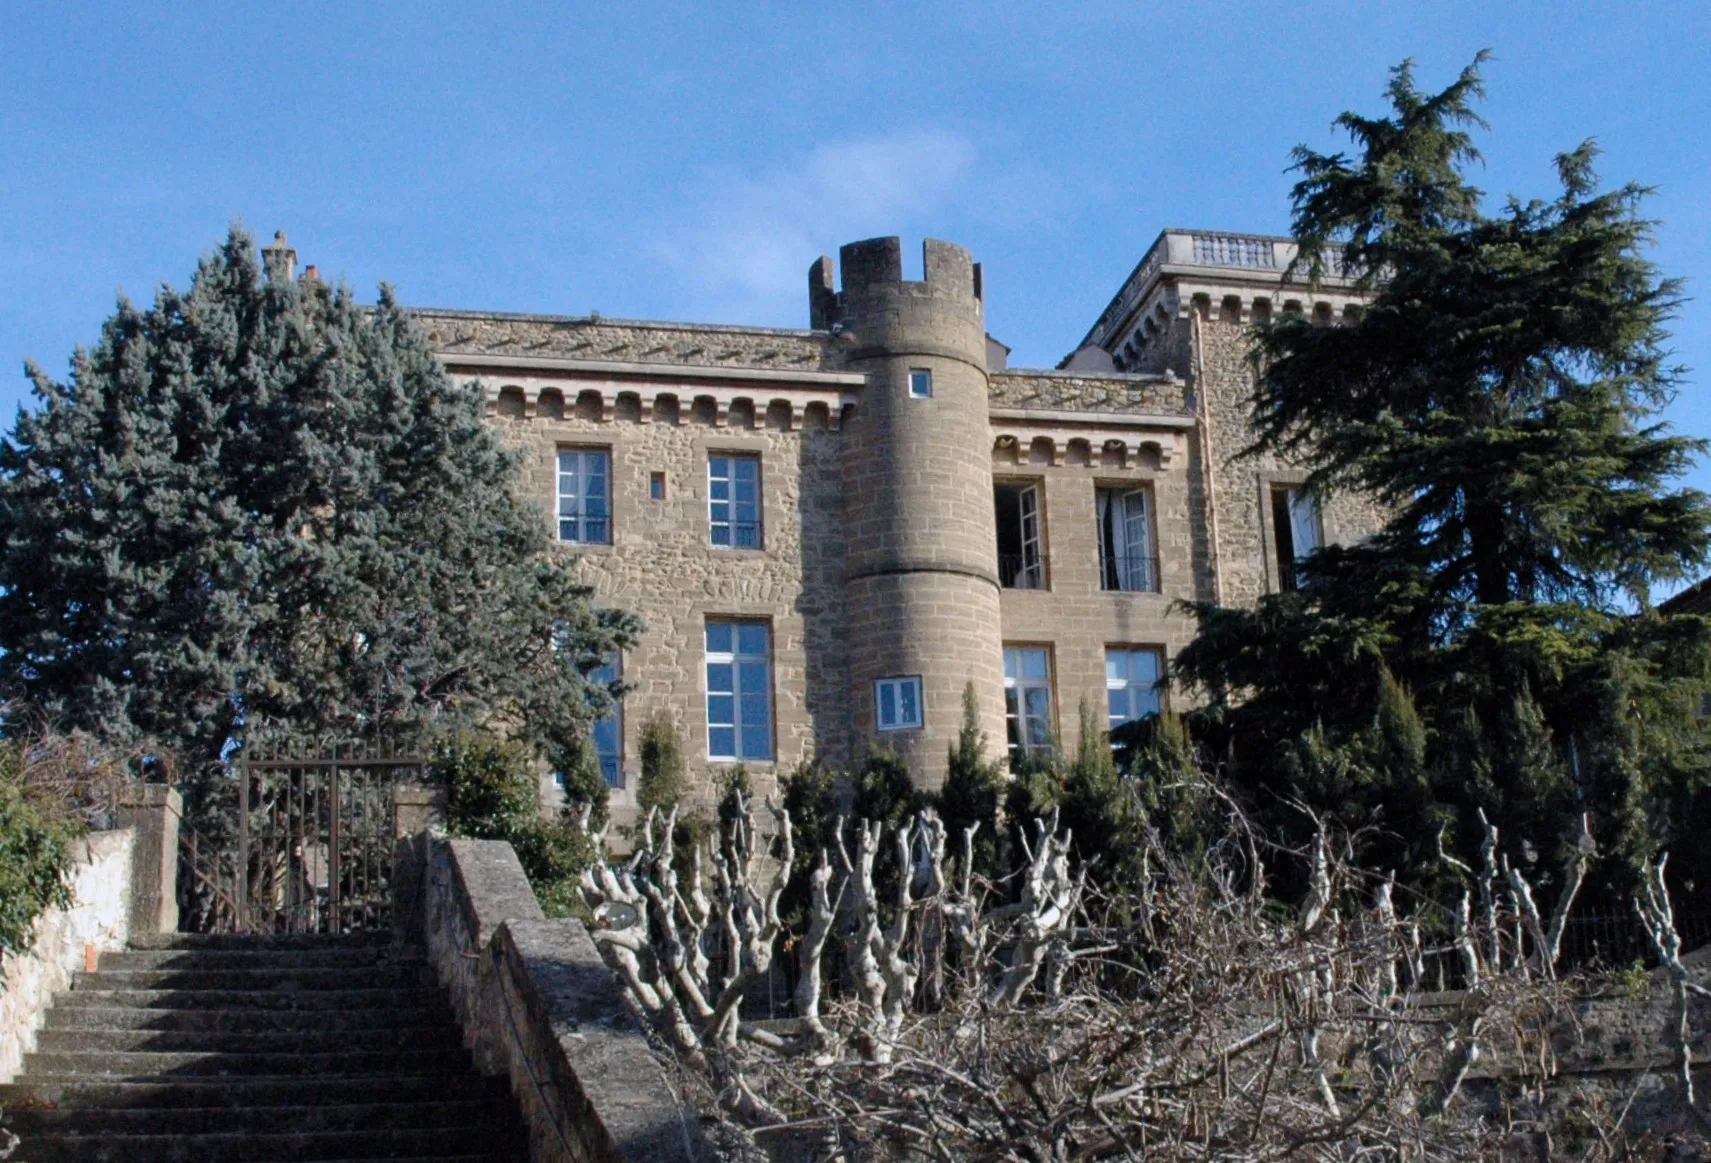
<point x="745" y="240"/>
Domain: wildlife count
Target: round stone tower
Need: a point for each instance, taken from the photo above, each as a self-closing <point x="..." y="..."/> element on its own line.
<point x="921" y="580"/>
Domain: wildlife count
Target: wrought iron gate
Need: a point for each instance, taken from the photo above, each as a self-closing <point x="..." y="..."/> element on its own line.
<point x="296" y="842"/>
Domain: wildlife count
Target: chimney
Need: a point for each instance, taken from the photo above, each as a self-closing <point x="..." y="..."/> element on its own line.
<point x="279" y="260"/>
<point x="312" y="273"/>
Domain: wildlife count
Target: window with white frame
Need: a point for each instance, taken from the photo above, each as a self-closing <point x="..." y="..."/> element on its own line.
<point x="609" y="728"/>
<point x="733" y="500"/>
<point x="897" y="703"/>
<point x="1021" y="557"/>
<point x="921" y="383"/>
<point x="1126" y="558"/>
<point x="1027" y="699"/>
<point x="1296" y="530"/>
<point x="584" y="496"/>
<point x="1132" y="676"/>
<point x="739" y="690"/>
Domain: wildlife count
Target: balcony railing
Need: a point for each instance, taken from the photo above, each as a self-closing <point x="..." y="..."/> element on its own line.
<point x="1134" y="571"/>
<point x="1021" y="571"/>
<point x="1235" y="250"/>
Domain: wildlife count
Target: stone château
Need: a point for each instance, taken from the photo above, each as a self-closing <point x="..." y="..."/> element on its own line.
<point x="832" y="531"/>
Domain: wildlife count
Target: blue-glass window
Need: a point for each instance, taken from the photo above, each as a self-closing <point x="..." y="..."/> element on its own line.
<point x="584" y="496"/>
<point x="1132" y="683"/>
<point x="739" y="690"/>
<point x="897" y="703"/>
<point x="733" y="501"/>
<point x="1027" y="698"/>
<point x="609" y="730"/>
<point x="920" y="383"/>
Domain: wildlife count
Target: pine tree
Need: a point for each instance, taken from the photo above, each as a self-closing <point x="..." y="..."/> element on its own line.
<point x="256" y="502"/>
<point x="973" y="790"/>
<point x="1498" y="395"/>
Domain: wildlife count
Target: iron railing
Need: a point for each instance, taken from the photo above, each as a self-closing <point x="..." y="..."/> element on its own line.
<point x="1133" y="571"/>
<point x="1021" y="571"/>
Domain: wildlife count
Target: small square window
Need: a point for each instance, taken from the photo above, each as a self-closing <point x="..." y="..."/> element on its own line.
<point x="656" y="486"/>
<point x="897" y="703"/>
<point x="921" y="383"/>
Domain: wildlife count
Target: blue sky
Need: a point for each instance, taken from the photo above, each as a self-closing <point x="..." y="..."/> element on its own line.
<point x="688" y="161"/>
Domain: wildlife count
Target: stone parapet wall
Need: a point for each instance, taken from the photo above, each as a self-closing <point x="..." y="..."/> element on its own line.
<point x="99" y="916"/>
<point x="539" y="1007"/>
<point x="619" y="340"/>
<point x="1083" y="392"/>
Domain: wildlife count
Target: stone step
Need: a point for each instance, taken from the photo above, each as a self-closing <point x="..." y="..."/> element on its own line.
<point x="285" y="978"/>
<point x="255" y="941"/>
<point x="408" y="1038"/>
<point x="334" y="956"/>
<point x="271" y="1120"/>
<point x="68" y="1091"/>
<point x="249" y="999"/>
<point x="240" y="1147"/>
<point x="144" y="1064"/>
<point x="250" y="1021"/>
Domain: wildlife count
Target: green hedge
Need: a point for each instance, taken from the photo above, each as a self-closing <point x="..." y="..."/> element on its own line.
<point x="35" y="850"/>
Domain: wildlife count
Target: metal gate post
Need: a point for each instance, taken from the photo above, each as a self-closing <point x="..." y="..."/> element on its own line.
<point x="333" y="844"/>
<point x="241" y="866"/>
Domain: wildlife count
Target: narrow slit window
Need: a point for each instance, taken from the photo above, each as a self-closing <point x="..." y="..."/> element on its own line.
<point x="656" y="486"/>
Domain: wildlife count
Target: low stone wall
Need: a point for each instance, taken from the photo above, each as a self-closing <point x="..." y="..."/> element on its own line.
<point x="539" y="1006"/>
<point x="99" y="915"/>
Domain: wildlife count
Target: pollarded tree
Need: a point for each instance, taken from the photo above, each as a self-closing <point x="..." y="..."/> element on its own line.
<point x="1499" y="395"/>
<point x="256" y="501"/>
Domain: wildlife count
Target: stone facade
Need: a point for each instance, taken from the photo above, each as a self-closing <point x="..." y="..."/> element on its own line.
<point x="883" y="435"/>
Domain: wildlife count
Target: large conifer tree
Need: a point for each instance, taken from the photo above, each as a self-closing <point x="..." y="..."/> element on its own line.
<point x="256" y="501"/>
<point x="1499" y="396"/>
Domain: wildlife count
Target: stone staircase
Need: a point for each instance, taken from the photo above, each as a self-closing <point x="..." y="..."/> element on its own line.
<point x="236" y="1049"/>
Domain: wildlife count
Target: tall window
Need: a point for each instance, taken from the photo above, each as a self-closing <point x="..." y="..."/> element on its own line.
<point x="739" y="690"/>
<point x="1296" y="531"/>
<point x="609" y="729"/>
<point x="733" y="501"/>
<point x="1131" y="683"/>
<point x="1126" y="559"/>
<point x="584" y="496"/>
<point x="1027" y="698"/>
<point x="1021" y="565"/>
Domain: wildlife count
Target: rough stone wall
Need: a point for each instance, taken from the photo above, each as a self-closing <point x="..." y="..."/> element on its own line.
<point x="1072" y="392"/>
<point x="1243" y="554"/>
<point x="99" y="915"/>
<point x="581" y="337"/>
<point x="660" y="565"/>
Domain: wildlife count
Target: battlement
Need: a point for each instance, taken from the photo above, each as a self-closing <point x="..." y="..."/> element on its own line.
<point x="874" y="266"/>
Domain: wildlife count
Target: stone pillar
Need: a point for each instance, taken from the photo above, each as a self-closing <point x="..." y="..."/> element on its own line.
<point x="153" y="810"/>
<point x="921" y="584"/>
